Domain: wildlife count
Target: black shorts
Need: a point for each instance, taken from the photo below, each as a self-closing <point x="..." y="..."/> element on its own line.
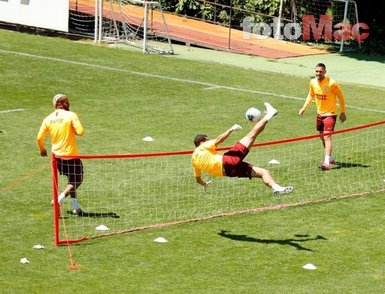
<point x="72" y="168"/>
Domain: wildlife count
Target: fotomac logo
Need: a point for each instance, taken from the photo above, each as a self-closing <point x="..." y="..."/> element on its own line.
<point x="293" y="31"/>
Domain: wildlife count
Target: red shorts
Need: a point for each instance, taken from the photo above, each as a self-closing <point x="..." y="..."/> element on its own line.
<point x="326" y="123"/>
<point x="233" y="164"/>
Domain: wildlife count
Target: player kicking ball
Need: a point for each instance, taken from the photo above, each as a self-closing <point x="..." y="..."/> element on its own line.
<point x="206" y="159"/>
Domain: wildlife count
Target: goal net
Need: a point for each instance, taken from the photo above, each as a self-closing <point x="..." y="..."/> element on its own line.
<point x="332" y="14"/>
<point x="139" y="23"/>
<point x="129" y="192"/>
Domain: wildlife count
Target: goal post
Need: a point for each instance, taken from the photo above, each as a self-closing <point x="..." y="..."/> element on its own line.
<point x="350" y="13"/>
<point x="123" y="193"/>
<point x="139" y="23"/>
<point x="339" y="12"/>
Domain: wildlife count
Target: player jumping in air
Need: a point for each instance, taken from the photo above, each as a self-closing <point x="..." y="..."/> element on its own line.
<point x="206" y="159"/>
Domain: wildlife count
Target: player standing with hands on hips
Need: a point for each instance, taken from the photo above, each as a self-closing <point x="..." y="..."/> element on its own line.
<point x="325" y="90"/>
<point x="63" y="126"/>
<point x="206" y="159"/>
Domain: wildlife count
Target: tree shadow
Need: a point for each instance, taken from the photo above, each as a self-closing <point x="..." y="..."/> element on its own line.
<point x="294" y="242"/>
<point x="339" y="165"/>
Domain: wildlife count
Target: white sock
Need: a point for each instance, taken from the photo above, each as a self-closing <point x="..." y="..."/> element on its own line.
<point x="75" y="203"/>
<point x="270" y="111"/>
<point x="327" y="159"/>
<point x="60" y="198"/>
<point x="277" y="187"/>
<point x="268" y="116"/>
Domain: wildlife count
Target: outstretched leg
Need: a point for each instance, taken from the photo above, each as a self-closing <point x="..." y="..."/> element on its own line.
<point x="249" y="139"/>
<point x="268" y="179"/>
<point x="248" y="142"/>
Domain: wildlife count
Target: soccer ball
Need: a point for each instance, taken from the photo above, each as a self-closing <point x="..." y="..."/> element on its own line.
<point x="253" y="115"/>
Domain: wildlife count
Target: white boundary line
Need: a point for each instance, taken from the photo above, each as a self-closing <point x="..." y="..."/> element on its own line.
<point x="206" y="85"/>
<point x="11" y="110"/>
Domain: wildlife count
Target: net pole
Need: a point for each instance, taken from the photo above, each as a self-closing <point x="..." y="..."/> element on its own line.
<point x="96" y="22"/>
<point x="345" y="16"/>
<point x="100" y="19"/>
<point x="55" y="200"/>
<point x="114" y="17"/>
<point x="145" y="27"/>
<point x="357" y="21"/>
<point x="278" y="29"/>
<point x="166" y="29"/>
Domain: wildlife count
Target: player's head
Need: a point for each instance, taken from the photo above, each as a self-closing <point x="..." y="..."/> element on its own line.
<point x="61" y="101"/>
<point x="200" y="139"/>
<point x="320" y="71"/>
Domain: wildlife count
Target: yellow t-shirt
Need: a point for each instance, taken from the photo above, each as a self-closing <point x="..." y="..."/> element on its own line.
<point x="325" y="94"/>
<point x="205" y="158"/>
<point x="62" y="126"/>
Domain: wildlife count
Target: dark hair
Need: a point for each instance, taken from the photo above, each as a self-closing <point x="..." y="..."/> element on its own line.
<point x="199" y="138"/>
<point x="321" y="65"/>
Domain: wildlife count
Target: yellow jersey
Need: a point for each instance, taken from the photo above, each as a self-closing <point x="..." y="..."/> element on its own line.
<point x="205" y="158"/>
<point x="325" y="93"/>
<point x="62" y="126"/>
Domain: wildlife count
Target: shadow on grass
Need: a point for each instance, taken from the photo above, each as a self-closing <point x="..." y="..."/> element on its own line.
<point x="95" y="214"/>
<point x="291" y="242"/>
<point x="339" y="165"/>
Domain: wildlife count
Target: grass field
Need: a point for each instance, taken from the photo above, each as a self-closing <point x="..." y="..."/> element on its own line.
<point x="122" y="96"/>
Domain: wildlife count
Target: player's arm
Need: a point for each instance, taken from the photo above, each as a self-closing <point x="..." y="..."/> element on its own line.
<point x="40" y="139"/>
<point x="222" y="137"/>
<point x="341" y="99"/>
<point x="309" y="99"/>
<point x="200" y="181"/>
<point x="203" y="183"/>
<point x="198" y="178"/>
<point x="77" y="125"/>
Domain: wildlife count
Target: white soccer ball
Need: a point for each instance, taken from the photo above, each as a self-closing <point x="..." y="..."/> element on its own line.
<point x="253" y="115"/>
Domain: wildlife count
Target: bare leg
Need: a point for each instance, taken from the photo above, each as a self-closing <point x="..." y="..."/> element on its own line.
<point x="327" y="142"/>
<point x="322" y="139"/>
<point x="267" y="178"/>
<point x="249" y="139"/>
<point x="258" y="172"/>
<point x="69" y="189"/>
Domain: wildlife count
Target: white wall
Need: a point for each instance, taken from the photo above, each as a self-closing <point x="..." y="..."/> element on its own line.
<point x="48" y="14"/>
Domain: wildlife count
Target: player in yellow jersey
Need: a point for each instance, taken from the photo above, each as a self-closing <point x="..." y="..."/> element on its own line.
<point x="326" y="91"/>
<point x="206" y="159"/>
<point x="63" y="126"/>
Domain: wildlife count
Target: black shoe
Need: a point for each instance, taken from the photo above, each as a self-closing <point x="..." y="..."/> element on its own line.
<point x="77" y="211"/>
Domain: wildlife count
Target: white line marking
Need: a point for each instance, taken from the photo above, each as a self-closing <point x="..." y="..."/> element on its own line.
<point x="11" y="110"/>
<point x="207" y="85"/>
<point x="212" y="88"/>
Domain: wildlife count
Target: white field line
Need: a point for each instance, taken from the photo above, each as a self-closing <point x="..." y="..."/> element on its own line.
<point x="212" y="88"/>
<point x="150" y="75"/>
<point x="11" y="110"/>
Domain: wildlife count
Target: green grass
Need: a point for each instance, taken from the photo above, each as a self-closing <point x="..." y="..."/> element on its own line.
<point x="118" y="106"/>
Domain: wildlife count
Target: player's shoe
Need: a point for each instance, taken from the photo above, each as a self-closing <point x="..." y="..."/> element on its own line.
<point x="77" y="211"/>
<point x="324" y="166"/>
<point x="332" y="161"/>
<point x="286" y="190"/>
<point x="270" y="109"/>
